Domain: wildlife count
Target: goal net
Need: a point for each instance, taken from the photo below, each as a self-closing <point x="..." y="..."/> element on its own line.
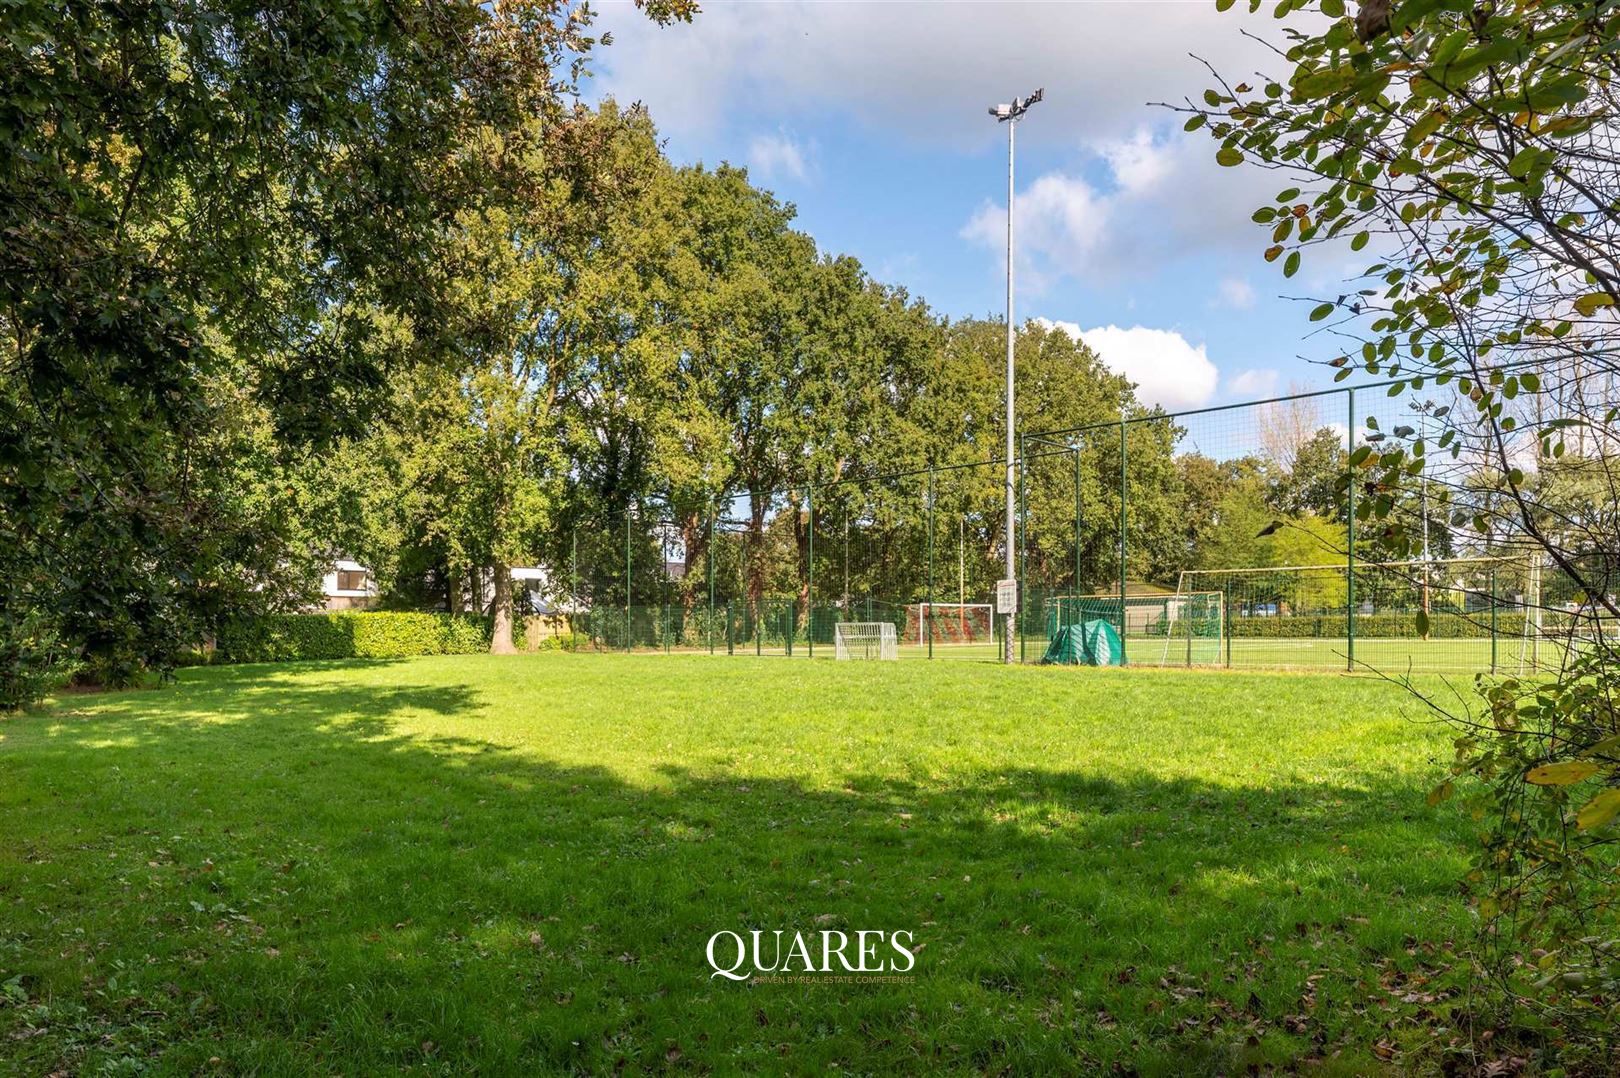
<point x="1182" y="628"/>
<point x="950" y="623"/>
<point x="865" y="640"/>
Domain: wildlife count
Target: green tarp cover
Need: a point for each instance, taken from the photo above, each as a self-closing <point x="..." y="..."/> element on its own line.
<point x="1091" y="643"/>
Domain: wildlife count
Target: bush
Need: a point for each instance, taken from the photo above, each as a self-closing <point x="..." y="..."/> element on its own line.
<point x="564" y="642"/>
<point x="351" y="635"/>
<point x="33" y="661"/>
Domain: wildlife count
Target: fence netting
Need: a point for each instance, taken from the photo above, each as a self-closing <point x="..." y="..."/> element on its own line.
<point x="1238" y="537"/>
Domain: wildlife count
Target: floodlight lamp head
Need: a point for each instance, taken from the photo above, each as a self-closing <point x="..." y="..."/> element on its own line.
<point x="1019" y="106"/>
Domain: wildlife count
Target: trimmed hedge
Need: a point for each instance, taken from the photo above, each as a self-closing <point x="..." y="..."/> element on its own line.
<point x="359" y="634"/>
<point x="1377" y="626"/>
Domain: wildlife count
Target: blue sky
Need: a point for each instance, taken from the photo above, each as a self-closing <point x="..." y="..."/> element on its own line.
<point x="871" y="118"/>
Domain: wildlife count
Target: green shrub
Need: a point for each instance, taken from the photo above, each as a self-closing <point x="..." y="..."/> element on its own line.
<point x="564" y="642"/>
<point x="351" y="635"/>
<point x="1394" y="626"/>
<point x="33" y="660"/>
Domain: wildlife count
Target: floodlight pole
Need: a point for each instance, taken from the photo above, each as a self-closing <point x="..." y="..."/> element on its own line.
<point x="1010" y="115"/>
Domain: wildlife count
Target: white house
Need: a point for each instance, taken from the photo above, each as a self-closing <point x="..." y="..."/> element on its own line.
<point x="348" y="586"/>
<point x="530" y="589"/>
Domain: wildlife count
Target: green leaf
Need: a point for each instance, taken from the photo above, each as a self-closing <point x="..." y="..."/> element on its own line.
<point x="1291" y="264"/>
<point x="1195" y="123"/>
<point x="1229" y="156"/>
<point x="1333" y="9"/>
<point x="1360" y="240"/>
<point x="1324" y="82"/>
<point x="1589" y="304"/>
<point x="1321" y="311"/>
<point x="1565" y="773"/>
<point x="1598" y="811"/>
<point x="1425" y="127"/>
<point x="1523" y="162"/>
<point x="1422" y="623"/>
<point x="1602" y="748"/>
<point x="1224" y="5"/>
<point x="1412" y="12"/>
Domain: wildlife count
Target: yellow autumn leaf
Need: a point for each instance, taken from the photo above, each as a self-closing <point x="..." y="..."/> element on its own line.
<point x="1598" y="811"/>
<point x="1561" y="774"/>
<point x="1589" y="304"/>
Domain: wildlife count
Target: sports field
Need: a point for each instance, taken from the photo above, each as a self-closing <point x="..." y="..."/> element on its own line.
<point x="513" y="865"/>
<point x="1437" y="655"/>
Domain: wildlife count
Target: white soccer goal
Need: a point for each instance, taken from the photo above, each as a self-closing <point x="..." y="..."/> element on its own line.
<point x="865" y="640"/>
<point x="1193" y="624"/>
<point x="950" y="623"/>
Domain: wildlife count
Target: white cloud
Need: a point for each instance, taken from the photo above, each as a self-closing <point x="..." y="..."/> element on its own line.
<point x="1131" y="195"/>
<point x="1138" y="162"/>
<point x="1255" y="383"/>
<point x="925" y="73"/>
<point x="1236" y="293"/>
<point x="1166" y="368"/>
<point x="1164" y="199"/>
<point x="1061" y="224"/>
<point x="778" y="157"/>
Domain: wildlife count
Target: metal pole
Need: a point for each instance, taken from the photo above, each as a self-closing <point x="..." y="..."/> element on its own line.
<point x="1124" y="496"/>
<point x="574" y="582"/>
<point x="810" y="571"/>
<point x="1493" y="619"/>
<point x="1423" y="509"/>
<point x="1226" y="625"/>
<point x="1007" y="645"/>
<point x="711" y="587"/>
<point x="1077" y="520"/>
<point x="1023" y="542"/>
<point x="1350" y="581"/>
<point x="928" y="620"/>
<point x="627" y="578"/>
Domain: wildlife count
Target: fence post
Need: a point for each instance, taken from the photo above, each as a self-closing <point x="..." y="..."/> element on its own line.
<point x="1077" y="522"/>
<point x="627" y="575"/>
<point x="1124" y="495"/>
<point x="1021" y="598"/>
<point x="1188" y="620"/>
<point x="1493" y="619"/>
<point x="1226" y="625"/>
<point x="1350" y="579"/>
<point x="711" y="592"/>
<point x="927" y="621"/>
<point x="810" y="571"/>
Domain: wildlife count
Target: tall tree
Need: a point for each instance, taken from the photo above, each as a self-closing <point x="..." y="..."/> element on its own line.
<point x="206" y="196"/>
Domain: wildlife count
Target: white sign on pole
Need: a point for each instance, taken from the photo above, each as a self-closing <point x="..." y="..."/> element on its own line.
<point x="1006" y="596"/>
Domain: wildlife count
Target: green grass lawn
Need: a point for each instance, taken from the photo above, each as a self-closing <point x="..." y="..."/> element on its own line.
<point x="512" y="865"/>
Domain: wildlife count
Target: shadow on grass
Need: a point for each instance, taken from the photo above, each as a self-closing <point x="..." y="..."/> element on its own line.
<point x="275" y="874"/>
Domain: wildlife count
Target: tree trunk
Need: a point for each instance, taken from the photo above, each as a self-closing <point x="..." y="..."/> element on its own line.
<point x="453" y="591"/>
<point x="500" y="639"/>
<point x="695" y="539"/>
<point x="756" y="551"/>
<point x="801" y="544"/>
